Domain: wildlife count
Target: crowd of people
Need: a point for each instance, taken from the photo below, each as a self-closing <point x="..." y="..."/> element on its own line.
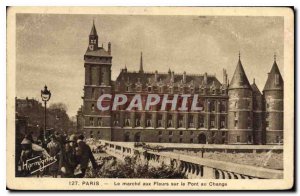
<point x="70" y="156"/>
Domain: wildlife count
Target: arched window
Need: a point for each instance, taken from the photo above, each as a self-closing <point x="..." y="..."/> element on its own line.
<point x="138" y="121"/>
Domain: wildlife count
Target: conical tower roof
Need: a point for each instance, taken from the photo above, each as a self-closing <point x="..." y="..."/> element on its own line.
<point x="239" y="79"/>
<point x="93" y="30"/>
<point x="274" y="81"/>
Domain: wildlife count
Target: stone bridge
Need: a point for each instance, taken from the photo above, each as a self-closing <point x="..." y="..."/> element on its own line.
<point x="194" y="167"/>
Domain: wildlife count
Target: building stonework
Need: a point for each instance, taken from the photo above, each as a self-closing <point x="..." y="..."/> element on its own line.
<point x="232" y="113"/>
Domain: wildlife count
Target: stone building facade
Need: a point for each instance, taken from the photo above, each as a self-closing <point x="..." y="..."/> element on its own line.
<point x="232" y="113"/>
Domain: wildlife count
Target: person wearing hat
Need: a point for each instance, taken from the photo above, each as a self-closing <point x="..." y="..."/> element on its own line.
<point x="68" y="159"/>
<point x="84" y="155"/>
<point x="54" y="149"/>
<point x="25" y="154"/>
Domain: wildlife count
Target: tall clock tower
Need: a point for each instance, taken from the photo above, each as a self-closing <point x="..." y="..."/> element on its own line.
<point x="97" y="64"/>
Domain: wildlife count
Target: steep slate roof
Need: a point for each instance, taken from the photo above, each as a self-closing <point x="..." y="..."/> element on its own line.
<point x="270" y="84"/>
<point x="239" y="78"/>
<point x="98" y="52"/>
<point x="255" y="89"/>
<point x="165" y="78"/>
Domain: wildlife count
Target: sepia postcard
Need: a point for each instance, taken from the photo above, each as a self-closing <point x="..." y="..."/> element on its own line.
<point x="150" y="98"/>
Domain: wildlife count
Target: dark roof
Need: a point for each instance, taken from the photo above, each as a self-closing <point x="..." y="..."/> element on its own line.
<point x="239" y="78"/>
<point x="271" y="83"/>
<point x="255" y="89"/>
<point x="165" y="78"/>
<point x="98" y="52"/>
<point x="93" y="30"/>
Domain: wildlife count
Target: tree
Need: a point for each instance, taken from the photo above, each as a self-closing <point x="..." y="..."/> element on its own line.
<point x="59" y="105"/>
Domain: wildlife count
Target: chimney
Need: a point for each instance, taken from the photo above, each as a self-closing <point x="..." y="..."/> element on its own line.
<point x="141" y="64"/>
<point x="224" y="77"/>
<point x="172" y="76"/>
<point x="205" y="78"/>
<point x="156" y="76"/>
<point x="184" y="77"/>
<point x="109" y="48"/>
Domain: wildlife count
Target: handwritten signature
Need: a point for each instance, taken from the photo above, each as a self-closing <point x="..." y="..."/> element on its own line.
<point x="38" y="162"/>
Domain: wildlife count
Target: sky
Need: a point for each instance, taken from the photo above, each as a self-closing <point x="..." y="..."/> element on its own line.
<point x="50" y="48"/>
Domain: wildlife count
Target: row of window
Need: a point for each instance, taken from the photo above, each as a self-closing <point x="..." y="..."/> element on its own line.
<point x="170" y="123"/>
<point x="249" y="139"/>
<point x="211" y="106"/>
<point x="97" y="121"/>
<point x="192" y="140"/>
<point x="172" y="90"/>
<point x="170" y="133"/>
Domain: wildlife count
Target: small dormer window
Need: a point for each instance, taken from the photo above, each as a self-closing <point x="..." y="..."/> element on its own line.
<point x="139" y="88"/>
<point x="149" y="89"/>
<point x="161" y="89"/>
<point x="127" y="89"/>
<point x="202" y="90"/>
<point x="191" y="90"/>
<point x="181" y="89"/>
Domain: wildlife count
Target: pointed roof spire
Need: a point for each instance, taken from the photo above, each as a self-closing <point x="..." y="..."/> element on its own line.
<point x="93" y="30"/>
<point x="239" y="78"/>
<point x="274" y="57"/>
<point x="125" y="68"/>
<point x="274" y="81"/>
<point x="141" y="64"/>
<point x="255" y="88"/>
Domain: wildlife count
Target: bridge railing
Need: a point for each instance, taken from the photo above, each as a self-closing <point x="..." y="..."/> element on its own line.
<point x="192" y="166"/>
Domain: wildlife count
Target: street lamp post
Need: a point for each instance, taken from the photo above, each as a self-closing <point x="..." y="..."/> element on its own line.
<point x="45" y="95"/>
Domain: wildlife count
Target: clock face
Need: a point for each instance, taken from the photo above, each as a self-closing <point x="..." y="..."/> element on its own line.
<point x="91" y="47"/>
